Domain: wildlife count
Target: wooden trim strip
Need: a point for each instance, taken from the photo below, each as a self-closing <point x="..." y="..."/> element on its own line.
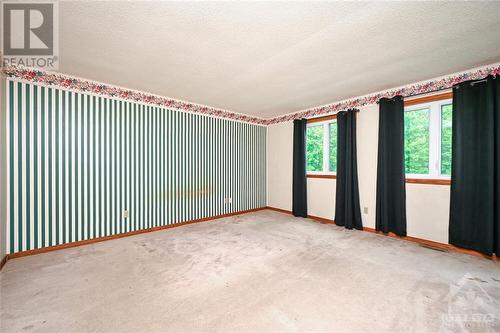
<point x="425" y="242"/>
<point x="126" y="234"/>
<point x="428" y="99"/>
<point x="319" y="119"/>
<point x="321" y="219"/>
<point x="428" y="181"/>
<point x="312" y="217"/>
<point x="284" y="211"/>
<point x="446" y="247"/>
<point x="4" y="261"/>
<point x="437" y="245"/>
<point x="310" y="175"/>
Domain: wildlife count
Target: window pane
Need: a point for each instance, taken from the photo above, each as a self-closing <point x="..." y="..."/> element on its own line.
<point x="446" y="139"/>
<point x="333" y="146"/>
<point x="417" y="141"/>
<point x="315" y="148"/>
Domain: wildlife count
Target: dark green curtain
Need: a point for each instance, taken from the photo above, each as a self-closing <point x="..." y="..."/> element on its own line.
<point x="299" y="204"/>
<point x="347" y="210"/>
<point x="391" y="193"/>
<point x="475" y="176"/>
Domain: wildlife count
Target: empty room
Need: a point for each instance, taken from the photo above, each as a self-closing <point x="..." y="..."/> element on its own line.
<point x="269" y="166"/>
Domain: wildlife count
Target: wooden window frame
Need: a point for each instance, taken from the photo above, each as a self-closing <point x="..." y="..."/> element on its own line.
<point x="428" y="181"/>
<point x="321" y="119"/>
<point x="428" y="99"/>
<point x="322" y="176"/>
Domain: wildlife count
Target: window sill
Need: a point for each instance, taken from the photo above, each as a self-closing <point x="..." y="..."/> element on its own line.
<point x="312" y="175"/>
<point x="428" y="181"/>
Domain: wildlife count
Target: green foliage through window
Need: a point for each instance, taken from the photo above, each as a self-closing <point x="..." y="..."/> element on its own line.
<point x="333" y="146"/>
<point x="416" y="141"/>
<point x="446" y="139"/>
<point x="314" y="146"/>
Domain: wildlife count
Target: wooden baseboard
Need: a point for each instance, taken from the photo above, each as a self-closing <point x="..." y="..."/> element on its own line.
<point x="126" y="234"/>
<point x="284" y="211"/>
<point x="4" y="261"/>
<point x="321" y="219"/>
<point x="424" y="242"/>
<point x="446" y="247"/>
<point x="312" y="217"/>
<point x="433" y="244"/>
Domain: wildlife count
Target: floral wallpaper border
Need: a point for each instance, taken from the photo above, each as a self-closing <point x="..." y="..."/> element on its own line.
<point x="82" y="85"/>
<point x="88" y="86"/>
<point x="429" y="86"/>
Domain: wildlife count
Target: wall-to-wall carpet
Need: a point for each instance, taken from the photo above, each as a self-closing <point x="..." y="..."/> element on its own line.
<point x="78" y="163"/>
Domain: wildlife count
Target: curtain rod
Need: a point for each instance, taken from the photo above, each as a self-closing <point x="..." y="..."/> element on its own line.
<point x="330" y="115"/>
<point x="473" y="83"/>
<point x="478" y="81"/>
<point x="427" y="93"/>
<point x="442" y="89"/>
<point x="416" y="95"/>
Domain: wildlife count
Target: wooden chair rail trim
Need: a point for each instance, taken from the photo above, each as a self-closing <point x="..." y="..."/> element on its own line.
<point x="428" y="99"/>
<point x="425" y="242"/>
<point x="311" y="175"/>
<point x="126" y="234"/>
<point x="428" y="181"/>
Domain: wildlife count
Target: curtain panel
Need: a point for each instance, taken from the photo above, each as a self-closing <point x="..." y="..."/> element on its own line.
<point x="475" y="176"/>
<point x="391" y="193"/>
<point x="299" y="195"/>
<point x="347" y="209"/>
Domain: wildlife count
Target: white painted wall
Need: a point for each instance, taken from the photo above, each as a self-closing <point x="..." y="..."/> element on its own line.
<point x="321" y="197"/>
<point x="427" y="205"/>
<point x="279" y="165"/>
<point x="321" y="194"/>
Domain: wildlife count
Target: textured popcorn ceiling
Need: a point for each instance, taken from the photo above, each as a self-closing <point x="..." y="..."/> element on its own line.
<point x="269" y="59"/>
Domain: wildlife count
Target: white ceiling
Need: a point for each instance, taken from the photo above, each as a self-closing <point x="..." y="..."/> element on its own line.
<point x="271" y="58"/>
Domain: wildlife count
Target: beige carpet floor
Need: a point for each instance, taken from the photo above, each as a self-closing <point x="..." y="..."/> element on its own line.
<point x="258" y="272"/>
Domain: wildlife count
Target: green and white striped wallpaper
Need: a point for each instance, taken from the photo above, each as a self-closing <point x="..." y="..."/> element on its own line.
<point x="77" y="161"/>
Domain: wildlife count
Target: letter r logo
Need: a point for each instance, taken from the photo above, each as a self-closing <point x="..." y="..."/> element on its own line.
<point x="28" y="29"/>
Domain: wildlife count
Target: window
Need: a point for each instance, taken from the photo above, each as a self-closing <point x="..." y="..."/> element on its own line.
<point x="321" y="145"/>
<point x="417" y="141"/>
<point x="427" y="140"/>
<point x="332" y="146"/>
<point x="314" y="146"/>
<point x="446" y="139"/>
